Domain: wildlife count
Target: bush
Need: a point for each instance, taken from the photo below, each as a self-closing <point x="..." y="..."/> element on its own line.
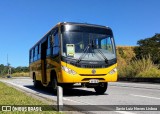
<point x="124" y="56"/>
<point x="152" y="73"/>
<point x="140" y="68"/>
<point x="20" y="74"/>
<point x="149" y="46"/>
<point x="126" y="53"/>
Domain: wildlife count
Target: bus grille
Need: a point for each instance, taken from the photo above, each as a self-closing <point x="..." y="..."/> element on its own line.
<point x="89" y="65"/>
<point x="93" y="66"/>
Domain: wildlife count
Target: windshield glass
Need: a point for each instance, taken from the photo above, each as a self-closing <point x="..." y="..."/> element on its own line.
<point x="90" y="45"/>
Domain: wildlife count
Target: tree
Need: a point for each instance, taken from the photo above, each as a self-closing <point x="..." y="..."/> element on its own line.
<point x="149" y="47"/>
<point x="3" y="70"/>
<point x="20" y="69"/>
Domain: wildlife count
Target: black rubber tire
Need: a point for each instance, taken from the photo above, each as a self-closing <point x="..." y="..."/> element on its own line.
<point x="54" y="84"/>
<point x="101" y="89"/>
<point x="36" y="84"/>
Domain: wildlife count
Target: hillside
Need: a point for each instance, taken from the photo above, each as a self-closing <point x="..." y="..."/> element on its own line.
<point x="131" y="67"/>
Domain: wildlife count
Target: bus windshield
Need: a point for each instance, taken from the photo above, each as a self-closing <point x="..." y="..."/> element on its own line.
<point x="87" y="46"/>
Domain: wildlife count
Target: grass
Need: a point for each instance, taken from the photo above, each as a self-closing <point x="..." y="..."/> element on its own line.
<point x="11" y="96"/>
<point x="143" y="68"/>
<point x="20" y="74"/>
<point x="130" y="67"/>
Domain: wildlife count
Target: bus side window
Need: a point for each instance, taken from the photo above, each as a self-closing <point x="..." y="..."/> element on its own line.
<point x="30" y="56"/>
<point x="49" y="45"/>
<point x="52" y="40"/>
<point x="39" y="51"/>
<point x="33" y="54"/>
<point x="56" y="45"/>
<point x="36" y="53"/>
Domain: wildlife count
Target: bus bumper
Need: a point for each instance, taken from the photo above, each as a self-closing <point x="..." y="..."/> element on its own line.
<point x="85" y="75"/>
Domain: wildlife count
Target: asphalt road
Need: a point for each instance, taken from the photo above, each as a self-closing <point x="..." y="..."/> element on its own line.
<point x="122" y="94"/>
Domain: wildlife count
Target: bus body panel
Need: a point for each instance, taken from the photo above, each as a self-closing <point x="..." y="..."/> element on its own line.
<point x="84" y="74"/>
<point x="35" y="69"/>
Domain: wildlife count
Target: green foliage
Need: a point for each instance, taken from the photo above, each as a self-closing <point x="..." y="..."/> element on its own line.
<point x="140" y="68"/>
<point x="124" y="56"/>
<point x="4" y="70"/>
<point x="131" y="67"/>
<point x="10" y="96"/>
<point x="20" y="74"/>
<point x="152" y="73"/>
<point x="149" y="46"/>
<point x="126" y="52"/>
<point x="20" y="69"/>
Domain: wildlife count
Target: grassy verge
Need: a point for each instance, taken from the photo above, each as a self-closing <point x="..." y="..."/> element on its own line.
<point x="10" y="96"/>
<point x="20" y="74"/>
<point x="143" y="68"/>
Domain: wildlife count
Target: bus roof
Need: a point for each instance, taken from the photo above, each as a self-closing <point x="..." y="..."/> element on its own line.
<point x="84" y="24"/>
<point x="70" y="23"/>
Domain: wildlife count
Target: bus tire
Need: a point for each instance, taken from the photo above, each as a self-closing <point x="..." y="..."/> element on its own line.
<point x="101" y="88"/>
<point x="54" y="83"/>
<point x="36" y="84"/>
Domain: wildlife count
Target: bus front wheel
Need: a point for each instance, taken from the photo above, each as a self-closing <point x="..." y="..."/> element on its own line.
<point x="101" y="88"/>
<point x="54" y="84"/>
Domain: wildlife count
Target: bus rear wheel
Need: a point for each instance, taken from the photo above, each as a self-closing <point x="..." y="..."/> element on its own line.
<point x="36" y="84"/>
<point x="101" y="88"/>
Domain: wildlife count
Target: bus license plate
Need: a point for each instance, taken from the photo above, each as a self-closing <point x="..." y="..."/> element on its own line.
<point x="93" y="81"/>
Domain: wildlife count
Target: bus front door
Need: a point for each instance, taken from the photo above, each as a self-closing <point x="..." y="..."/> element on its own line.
<point x="43" y="57"/>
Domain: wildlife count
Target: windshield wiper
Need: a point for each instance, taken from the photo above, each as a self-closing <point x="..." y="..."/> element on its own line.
<point x="105" y="58"/>
<point x="84" y="52"/>
<point x="86" y="49"/>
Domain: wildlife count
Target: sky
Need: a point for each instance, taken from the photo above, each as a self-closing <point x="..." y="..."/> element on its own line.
<point x="24" y="22"/>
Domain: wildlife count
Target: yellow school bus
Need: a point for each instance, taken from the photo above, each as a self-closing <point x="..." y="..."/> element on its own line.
<point x="73" y="53"/>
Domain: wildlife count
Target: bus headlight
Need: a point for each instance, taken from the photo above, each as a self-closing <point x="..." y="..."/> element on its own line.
<point x="113" y="71"/>
<point x="68" y="70"/>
